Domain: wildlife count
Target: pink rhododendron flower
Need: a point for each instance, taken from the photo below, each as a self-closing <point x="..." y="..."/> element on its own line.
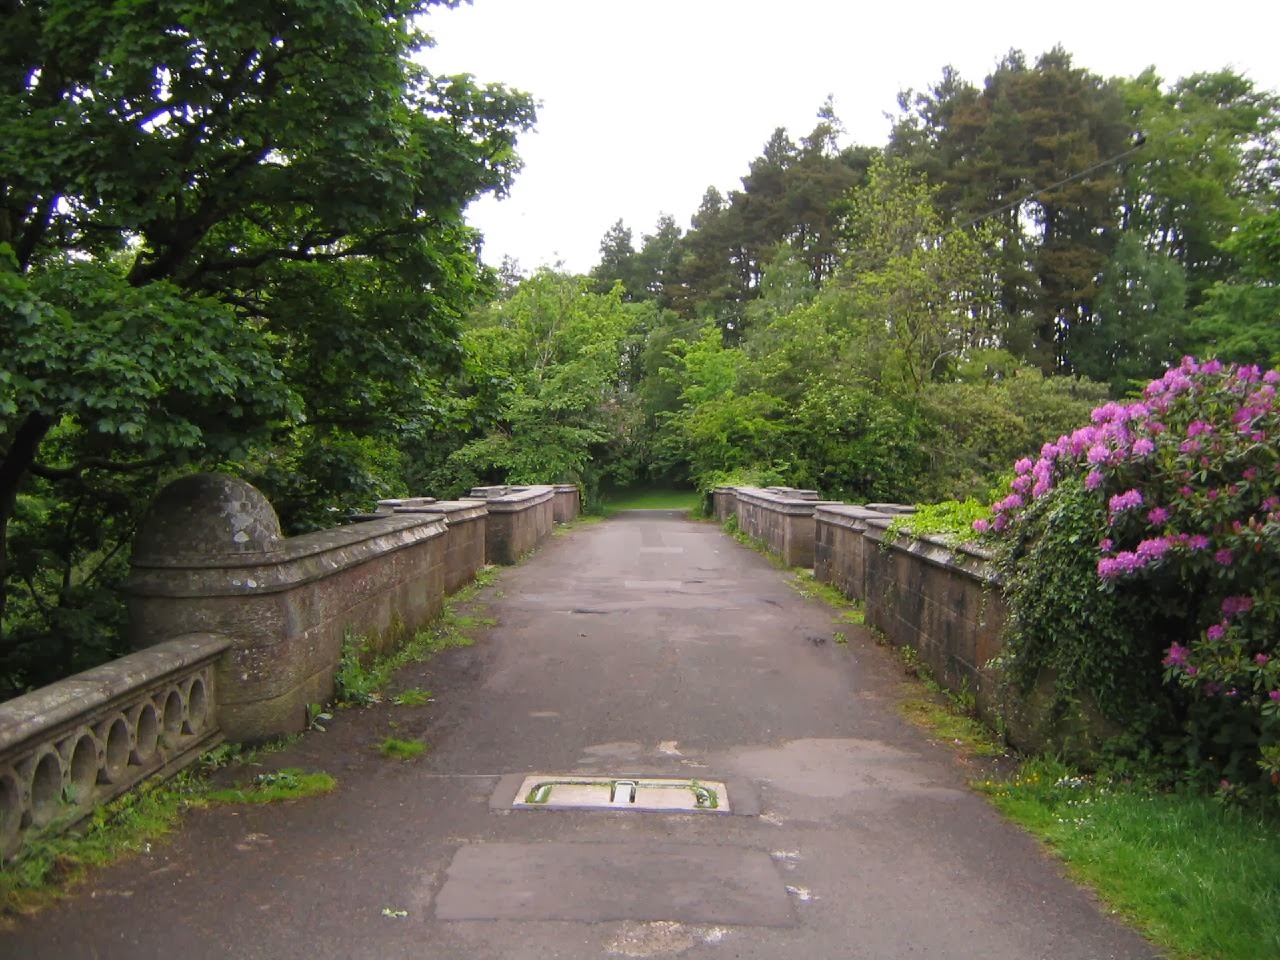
<point x="1231" y="606"/>
<point x="1125" y="501"/>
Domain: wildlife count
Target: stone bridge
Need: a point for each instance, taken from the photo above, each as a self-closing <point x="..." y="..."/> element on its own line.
<point x="659" y="749"/>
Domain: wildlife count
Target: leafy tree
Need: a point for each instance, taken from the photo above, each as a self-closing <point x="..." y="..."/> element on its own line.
<point x="1207" y="159"/>
<point x="211" y="217"/>
<point x="906" y="271"/>
<point x="545" y="369"/>
<point x="1238" y="319"/>
<point x="1138" y="320"/>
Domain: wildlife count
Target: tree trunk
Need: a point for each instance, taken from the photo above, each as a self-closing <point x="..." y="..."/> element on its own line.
<point x="13" y="471"/>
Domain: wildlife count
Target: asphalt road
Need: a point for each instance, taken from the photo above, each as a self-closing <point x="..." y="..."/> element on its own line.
<point x="646" y="645"/>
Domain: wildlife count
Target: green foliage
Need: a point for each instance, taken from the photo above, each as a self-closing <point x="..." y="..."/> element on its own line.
<point x="951" y="520"/>
<point x="542" y="386"/>
<point x="1066" y="626"/>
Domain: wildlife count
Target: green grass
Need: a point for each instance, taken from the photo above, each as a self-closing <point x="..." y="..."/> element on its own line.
<point x="848" y="611"/>
<point x="1198" y="878"/>
<point x="413" y="697"/>
<point x="46" y="867"/>
<point x="582" y="520"/>
<point x="649" y="500"/>
<point x="397" y="749"/>
<point x="288" y="784"/>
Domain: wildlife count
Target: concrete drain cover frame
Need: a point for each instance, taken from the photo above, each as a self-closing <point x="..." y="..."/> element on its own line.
<point x="638" y="794"/>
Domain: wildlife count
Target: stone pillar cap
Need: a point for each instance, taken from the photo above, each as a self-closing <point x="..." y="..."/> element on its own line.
<point x="206" y="518"/>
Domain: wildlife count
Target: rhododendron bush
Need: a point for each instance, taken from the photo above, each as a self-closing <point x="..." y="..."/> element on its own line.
<point x="1141" y="556"/>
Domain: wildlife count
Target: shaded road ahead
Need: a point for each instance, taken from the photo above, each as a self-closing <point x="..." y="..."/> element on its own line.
<point x="645" y="645"/>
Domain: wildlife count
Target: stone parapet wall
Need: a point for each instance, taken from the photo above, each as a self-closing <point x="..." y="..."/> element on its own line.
<point x="943" y="602"/>
<point x="839" y="546"/>
<point x="210" y="557"/>
<point x="238" y="630"/>
<point x="519" y="519"/>
<point x="782" y="518"/>
<point x="465" y="523"/>
<point x="724" y="503"/>
<point x="82" y="741"/>
<point x="567" y="505"/>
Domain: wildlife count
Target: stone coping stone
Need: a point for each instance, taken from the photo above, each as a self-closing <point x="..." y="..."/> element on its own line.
<point x="517" y="499"/>
<point x="779" y="503"/>
<point x="967" y="558"/>
<point x="793" y="493"/>
<point x="898" y="508"/>
<point x="454" y="511"/>
<point x="33" y="715"/>
<point x="403" y="504"/>
<point x="846" y="515"/>
<point x="566" y="488"/>
<point x="298" y="560"/>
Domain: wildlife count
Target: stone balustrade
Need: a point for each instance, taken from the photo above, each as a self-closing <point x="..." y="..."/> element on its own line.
<point x="82" y="741"/>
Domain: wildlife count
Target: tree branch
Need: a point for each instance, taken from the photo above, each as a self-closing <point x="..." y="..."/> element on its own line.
<point x="94" y="463"/>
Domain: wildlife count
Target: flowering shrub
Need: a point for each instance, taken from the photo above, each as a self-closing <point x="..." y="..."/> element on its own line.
<point x="1172" y="506"/>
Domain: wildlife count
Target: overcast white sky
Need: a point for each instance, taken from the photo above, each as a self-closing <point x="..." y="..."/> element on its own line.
<point x="645" y="103"/>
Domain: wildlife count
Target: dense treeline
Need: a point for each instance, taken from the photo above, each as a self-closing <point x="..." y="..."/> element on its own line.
<point x="223" y="247"/>
<point x="904" y="321"/>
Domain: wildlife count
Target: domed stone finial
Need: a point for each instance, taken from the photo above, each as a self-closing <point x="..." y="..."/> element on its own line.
<point x="205" y="519"/>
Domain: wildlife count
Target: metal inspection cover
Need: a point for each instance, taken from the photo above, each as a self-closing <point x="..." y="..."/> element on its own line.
<point x="639" y="794"/>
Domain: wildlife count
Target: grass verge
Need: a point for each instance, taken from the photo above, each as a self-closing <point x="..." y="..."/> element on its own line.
<point x="1200" y="879"/>
<point x="582" y="520"/>
<point x="649" y="500"/>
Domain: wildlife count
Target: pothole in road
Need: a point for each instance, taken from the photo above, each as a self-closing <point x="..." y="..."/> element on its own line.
<point x="638" y="794"/>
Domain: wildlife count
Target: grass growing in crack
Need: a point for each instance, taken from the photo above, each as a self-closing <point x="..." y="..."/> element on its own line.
<point x="731" y="527"/>
<point x="287" y="784"/>
<point x="804" y="583"/>
<point x="397" y="749"/>
<point x="1199" y="878"/>
<point x="412" y="697"/>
